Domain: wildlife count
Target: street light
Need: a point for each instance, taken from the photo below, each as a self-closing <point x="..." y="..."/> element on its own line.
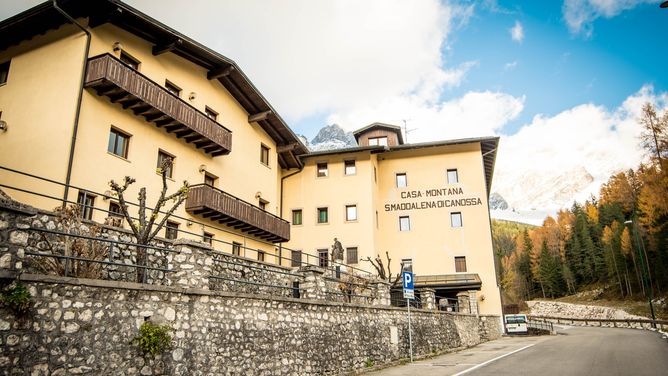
<point x="644" y="261"/>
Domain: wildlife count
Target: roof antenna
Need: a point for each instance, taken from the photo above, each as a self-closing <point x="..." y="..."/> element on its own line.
<point x="406" y="130"/>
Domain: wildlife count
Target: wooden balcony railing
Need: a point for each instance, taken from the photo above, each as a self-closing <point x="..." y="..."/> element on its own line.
<point x="220" y="206"/>
<point x="122" y="84"/>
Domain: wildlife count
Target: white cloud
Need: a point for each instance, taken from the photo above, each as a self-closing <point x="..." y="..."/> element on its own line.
<point x="319" y="57"/>
<point x="586" y="137"/>
<point x="581" y="14"/>
<point x="510" y="66"/>
<point x="472" y="115"/>
<point x="517" y="32"/>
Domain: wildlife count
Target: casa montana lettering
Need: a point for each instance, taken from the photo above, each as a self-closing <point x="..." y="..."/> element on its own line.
<point x="433" y="204"/>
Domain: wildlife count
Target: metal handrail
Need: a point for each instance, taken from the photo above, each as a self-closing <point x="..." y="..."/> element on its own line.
<point x="601" y="321"/>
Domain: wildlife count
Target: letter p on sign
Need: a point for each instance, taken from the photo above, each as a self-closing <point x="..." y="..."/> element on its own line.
<point x="408" y="280"/>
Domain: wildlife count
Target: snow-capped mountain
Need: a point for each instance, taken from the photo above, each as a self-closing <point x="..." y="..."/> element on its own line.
<point x="332" y="137"/>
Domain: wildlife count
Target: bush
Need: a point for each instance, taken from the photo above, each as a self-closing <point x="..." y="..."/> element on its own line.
<point x="153" y="339"/>
<point x="17" y="298"/>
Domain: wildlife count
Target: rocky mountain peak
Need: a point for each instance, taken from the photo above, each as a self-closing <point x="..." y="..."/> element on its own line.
<point x="332" y="137"/>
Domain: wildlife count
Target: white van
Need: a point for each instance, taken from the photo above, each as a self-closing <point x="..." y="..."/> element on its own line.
<point x="516" y="324"/>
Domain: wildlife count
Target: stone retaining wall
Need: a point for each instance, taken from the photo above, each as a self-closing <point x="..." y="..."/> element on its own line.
<point x="84" y="326"/>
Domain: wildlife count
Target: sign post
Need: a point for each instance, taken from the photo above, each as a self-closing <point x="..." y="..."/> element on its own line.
<point x="409" y="293"/>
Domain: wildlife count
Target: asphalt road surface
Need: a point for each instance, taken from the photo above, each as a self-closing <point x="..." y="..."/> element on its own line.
<point x="573" y="351"/>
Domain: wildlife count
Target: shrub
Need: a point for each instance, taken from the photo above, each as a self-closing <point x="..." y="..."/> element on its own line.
<point x="69" y="221"/>
<point x="17" y="298"/>
<point x="153" y="339"/>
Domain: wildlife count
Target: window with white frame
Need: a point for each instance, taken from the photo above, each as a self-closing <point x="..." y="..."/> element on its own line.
<point x="351" y="212"/>
<point x="404" y="223"/>
<point x="456" y="219"/>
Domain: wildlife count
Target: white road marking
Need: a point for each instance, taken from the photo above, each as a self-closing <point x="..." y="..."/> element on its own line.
<point x="492" y="360"/>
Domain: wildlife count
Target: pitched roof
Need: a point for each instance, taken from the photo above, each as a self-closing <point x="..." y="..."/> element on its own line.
<point x="45" y="17"/>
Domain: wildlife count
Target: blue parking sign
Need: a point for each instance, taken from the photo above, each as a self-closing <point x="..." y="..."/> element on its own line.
<point x="407" y="278"/>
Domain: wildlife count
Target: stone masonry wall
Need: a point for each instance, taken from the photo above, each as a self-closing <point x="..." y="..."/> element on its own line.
<point x="84" y="326"/>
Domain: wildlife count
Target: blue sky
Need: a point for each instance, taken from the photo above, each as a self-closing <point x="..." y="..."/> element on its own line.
<point x="554" y="68"/>
<point x="557" y="69"/>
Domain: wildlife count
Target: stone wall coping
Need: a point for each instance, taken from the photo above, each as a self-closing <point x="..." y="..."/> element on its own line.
<point x="17" y="207"/>
<point x="426" y="289"/>
<point x="312" y="268"/>
<point x="191" y="243"/>
<point x="39" y="278"/>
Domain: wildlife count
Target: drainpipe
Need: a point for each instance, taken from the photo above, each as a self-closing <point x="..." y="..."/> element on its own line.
<point x="78" y="110"/>
<point x="280" y="246"/>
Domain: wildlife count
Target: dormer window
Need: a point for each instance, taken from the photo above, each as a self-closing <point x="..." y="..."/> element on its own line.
<point x="378" y="141"/>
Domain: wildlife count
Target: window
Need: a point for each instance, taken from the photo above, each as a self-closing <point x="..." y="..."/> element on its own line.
<point x="118" y="143"/>
<point x="4" y="72"/>
<point x="162" y="158"/>
<point x="296" y="258"/>
<point x="323" y="260"/>
<point x="404" y="223"/>
<point x="460" y="264"/>
<point x="264" y="155"/>
<point x="171" y="230"/>
<point x="209" y="179"/>
<point x="351" y="255"/>
<point x="207" y="238"/>
<point x="86" y="203"/>
<point x="323" y="215"/>
<point x="172" y="88"/>
<point x="236" y="249"/>
<point x="211" y="114"/>
<point x="260" y="255"/>
<point x="297" y="217"/>
<point x="375" y="179"/>
<point x="263" y="204"/>
<point x="322" y="170"/>
<point x="402" y="181"/>
<point x="452" y="176"/>
<point x="351" y="212"/>
<point x="456" y="219"/>
<point x="350" y="168"/>
<point x="115" y="209"/>
<point x="378" y="141"/>
<point x="129" y="60"/>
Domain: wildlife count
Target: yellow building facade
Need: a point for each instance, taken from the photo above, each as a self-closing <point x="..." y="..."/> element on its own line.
<point x="114" y="94"/>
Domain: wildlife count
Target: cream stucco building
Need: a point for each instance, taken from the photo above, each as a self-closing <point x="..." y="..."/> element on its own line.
<point x="94" y="91"/>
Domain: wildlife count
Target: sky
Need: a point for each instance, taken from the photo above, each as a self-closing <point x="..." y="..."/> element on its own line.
<point x="561" y="82"/>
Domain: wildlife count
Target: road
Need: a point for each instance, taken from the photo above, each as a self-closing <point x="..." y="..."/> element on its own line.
<point x="573" y="351"/>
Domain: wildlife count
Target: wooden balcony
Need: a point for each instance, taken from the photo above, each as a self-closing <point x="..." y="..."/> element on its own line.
<point x="212" y="203"/>
<point x="122" y="84"/>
